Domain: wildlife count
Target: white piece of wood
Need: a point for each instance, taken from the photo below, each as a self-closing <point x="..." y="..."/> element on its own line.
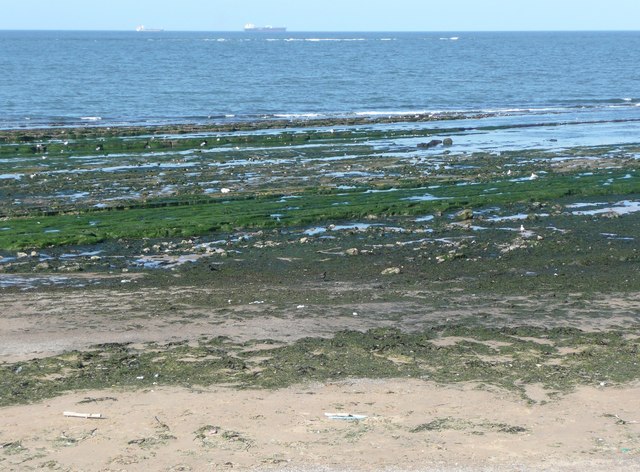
<point x="73" y="414"/>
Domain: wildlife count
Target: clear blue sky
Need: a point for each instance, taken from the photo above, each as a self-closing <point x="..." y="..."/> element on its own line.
<point x="323" y="15"/>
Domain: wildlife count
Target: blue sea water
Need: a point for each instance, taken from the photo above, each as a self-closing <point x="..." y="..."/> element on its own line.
<point x="54" y="78"/>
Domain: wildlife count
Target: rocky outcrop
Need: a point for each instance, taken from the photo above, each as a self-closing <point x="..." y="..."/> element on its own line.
<point x="431" y="144"/>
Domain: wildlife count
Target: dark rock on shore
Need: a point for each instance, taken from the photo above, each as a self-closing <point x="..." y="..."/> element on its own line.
<point x="430" y="144"/>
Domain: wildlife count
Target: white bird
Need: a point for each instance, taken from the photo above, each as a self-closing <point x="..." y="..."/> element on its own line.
<point x="522" y="230"/>
<point x="534" y="176"/>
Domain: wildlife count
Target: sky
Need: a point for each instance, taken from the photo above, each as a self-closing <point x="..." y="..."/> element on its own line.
<point x="322" y="15"/>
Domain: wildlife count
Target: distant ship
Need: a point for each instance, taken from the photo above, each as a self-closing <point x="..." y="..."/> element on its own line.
<point x="251" y="28"/>
<point x="144" y="29"/>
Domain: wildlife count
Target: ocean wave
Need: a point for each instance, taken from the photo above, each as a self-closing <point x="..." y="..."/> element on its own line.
<point x="623" y="110"/>
<point x="394" y="112"/>
<point x="603" y="101"/>
<point x="297" y="115"/>
<point x="318" y="40"/>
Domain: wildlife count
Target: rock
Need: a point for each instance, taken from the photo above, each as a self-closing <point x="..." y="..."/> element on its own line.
<point x="71" y="268"/>
<point x="447" y="142"/>
<point x="430" y="144"/>
<point x="42" y="266"/>
<point x="304" y="240"/>
<point x="464" y="215"/>
<point x="352" y="251"/>
<point x="33" y="254"/>
<point x="22" y="255"/>
<point x="391" y="271"/>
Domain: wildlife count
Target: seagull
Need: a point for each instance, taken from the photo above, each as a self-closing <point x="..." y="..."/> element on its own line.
<point x="534" y="176"/>
<point x="99" y="147"/>
<point x="522" y="230"/>
<point x="203" y="143"/>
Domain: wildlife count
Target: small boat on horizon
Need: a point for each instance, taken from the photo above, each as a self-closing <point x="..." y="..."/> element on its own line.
<point x="144" y="29"/>
<point x="251" y="28"/>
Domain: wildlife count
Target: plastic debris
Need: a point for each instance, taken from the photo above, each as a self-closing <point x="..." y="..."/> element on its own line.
<point x="344" y="416"/>
<point x="91" y="416"/>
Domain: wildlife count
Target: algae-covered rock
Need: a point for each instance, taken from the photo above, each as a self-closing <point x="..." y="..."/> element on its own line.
<point x="464" y="215"/>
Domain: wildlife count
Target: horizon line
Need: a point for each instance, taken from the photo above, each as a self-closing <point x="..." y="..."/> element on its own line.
<point x="164" y="30"/>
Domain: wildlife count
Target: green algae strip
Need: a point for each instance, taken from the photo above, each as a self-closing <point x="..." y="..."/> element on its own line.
<point x="196" y="217"/>
<point x="510" y="358"/>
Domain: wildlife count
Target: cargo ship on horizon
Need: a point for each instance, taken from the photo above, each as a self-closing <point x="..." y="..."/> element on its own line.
<point x="251" y="28"/>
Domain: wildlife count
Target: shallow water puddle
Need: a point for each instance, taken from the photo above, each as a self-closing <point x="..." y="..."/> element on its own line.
<point x="166" y="261"/>
<point x="624" y="207"/>
<point x="354" y="226"/>
<point x="32" y="282"/>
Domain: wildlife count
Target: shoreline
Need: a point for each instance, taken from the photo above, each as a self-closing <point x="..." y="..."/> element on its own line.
<point x="232" y="126"/>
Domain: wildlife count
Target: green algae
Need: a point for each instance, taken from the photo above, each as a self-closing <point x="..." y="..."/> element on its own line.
<point x="495" y="356"/>
<point x="449" y="423"/>
<point x="199" y="216"/>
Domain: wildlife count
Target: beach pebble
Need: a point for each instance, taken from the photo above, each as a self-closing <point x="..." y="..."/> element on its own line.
<point x="391" y="271"/>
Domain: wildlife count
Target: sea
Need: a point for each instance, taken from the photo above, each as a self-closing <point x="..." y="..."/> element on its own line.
<point x="81" y="78"/>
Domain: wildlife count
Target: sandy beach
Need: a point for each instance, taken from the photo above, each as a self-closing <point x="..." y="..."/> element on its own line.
<point x="409" y="426"/>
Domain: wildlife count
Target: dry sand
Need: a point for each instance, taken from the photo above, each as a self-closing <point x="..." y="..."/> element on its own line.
<point x="173" y="429"/>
